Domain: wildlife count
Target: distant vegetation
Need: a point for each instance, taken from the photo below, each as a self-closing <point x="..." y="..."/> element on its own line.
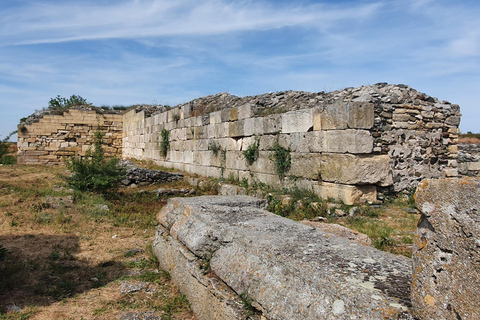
<point x="6" y="158"/>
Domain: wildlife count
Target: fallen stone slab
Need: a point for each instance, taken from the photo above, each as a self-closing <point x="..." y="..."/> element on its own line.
<point x="287" y="270"/>
<point x="446" y="251"/>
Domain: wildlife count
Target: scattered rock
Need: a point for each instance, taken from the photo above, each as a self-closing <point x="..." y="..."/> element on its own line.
<point x="162" y="192"/>
<point x="13" y="308"/>
<point x="133" y="252"/>
<point x="353" y="211"/>
<point x="59" y="202"/>
<point x="340" y="213"/>
<point x="102" y="207"/>
<point x="148" y="315"/>
<point x="131" y="286"/>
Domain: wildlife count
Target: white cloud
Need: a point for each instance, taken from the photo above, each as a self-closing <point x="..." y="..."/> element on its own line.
<point x="50" y="23"/>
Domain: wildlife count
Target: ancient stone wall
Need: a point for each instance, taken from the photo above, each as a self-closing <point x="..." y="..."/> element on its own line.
<point x="344" y="144"/>
<point x="51" y="137"/>
<point x="469" y="159"/>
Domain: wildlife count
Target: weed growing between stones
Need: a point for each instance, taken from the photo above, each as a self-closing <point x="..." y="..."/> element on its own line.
<point x="247" y="304"/>
<point x="165" y="142"/>
<point x="281" y="159"/>
<point x="215" y="147"/>
<point x="251" y="153"/>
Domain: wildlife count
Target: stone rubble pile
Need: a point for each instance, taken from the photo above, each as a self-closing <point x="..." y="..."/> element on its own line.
<point x="142" y="176"/>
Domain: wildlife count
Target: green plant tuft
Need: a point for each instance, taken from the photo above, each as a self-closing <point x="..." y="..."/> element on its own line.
<point x="281" y="159"/>
<point x="215" y="147"/>
<point x="165" y="143"/>
<point x="5" y="158"/>
<point x="251" y="153"/>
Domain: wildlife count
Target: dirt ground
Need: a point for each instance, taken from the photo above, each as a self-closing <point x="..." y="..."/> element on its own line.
<point x="63" y="256"/>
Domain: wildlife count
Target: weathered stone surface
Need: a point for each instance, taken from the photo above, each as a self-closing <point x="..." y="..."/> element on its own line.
<point x="297" y="121"/>
<point x="352" y="169"/>
<point x="289" y="270"/>
<point x="347" y="193"/>
<point x="208" y="296"/>
<point x="446" y="254"/>
<point x="360" y="115"/>
<point x="331" y="117"/>
<point x="348" y="141"/>
<point x="332" y="229"/>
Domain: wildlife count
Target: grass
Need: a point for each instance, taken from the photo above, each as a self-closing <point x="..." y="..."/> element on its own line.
<point x="50" y="252"/>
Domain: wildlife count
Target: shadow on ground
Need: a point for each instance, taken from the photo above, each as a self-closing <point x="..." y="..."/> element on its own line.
<point x="38" y="269"/>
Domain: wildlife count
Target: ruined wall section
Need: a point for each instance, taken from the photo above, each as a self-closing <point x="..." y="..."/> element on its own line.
<point x="52" y="137"/>
<point x="343" y="144"/>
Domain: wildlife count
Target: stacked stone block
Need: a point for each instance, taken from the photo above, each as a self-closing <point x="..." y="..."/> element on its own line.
<point x="53" y="137"/>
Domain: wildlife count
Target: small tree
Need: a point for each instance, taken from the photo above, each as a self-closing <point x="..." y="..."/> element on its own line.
<point x="94" y="172"/>
<point x="61" y="103"/>
<point x="4" y="146"/>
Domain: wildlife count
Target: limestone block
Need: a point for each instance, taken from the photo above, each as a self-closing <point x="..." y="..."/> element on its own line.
<point x="215" y="117"/>
<point x="284" y="265"/>
<point x="230" y="144"/>
<point x="331" y="116"/>
<point x="348" y="141"/>
<point x="315" y="141"/>
<point x="267" y="142"/>
<point x="209" y="297"/>
<point x="263" y="164"/>
<point x="210" y="131"/>
<point x="361" y="115"/>
<point x="269" y="179"/>
<point x="272" y="124"/>
<point x="258" y="126"/>
<point x="297" y="121"/>
<point x="237" y="128"/>
<point x="349" y="194"/>
<point x="222" y="130"/>
<point x="201" y="144"/>
<point x="352" y="169"/>
<point x="245" y="111"/>
<point x="305" y="165"/>
<point x="225" y="115"/>
<point x="186" y="111"/>
<point x="446" y="277"/>
<point x="233" y="114"/>
<point x="235" y="160"/>
<point x="249" y="127"/>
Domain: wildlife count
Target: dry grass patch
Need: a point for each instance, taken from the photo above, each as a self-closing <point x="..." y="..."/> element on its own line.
<point x="66" y="255"/>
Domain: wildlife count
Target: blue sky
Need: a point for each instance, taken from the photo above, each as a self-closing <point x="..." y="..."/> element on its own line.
<point x="123" y="52"/>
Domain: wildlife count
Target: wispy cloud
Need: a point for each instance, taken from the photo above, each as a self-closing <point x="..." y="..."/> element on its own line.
<point x="60" y="22"/>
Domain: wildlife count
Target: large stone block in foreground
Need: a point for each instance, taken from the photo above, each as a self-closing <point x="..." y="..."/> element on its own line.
<point x="446" y="257"/>
<point x="289" y="270"/>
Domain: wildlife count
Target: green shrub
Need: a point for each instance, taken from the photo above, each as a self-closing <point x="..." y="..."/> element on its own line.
<point x="251" y="153"/>
<point x="61" y="103"/>
<point x="165" y="143"/>
<point x="94" y="172"/>
<point x="281" y="159"/>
